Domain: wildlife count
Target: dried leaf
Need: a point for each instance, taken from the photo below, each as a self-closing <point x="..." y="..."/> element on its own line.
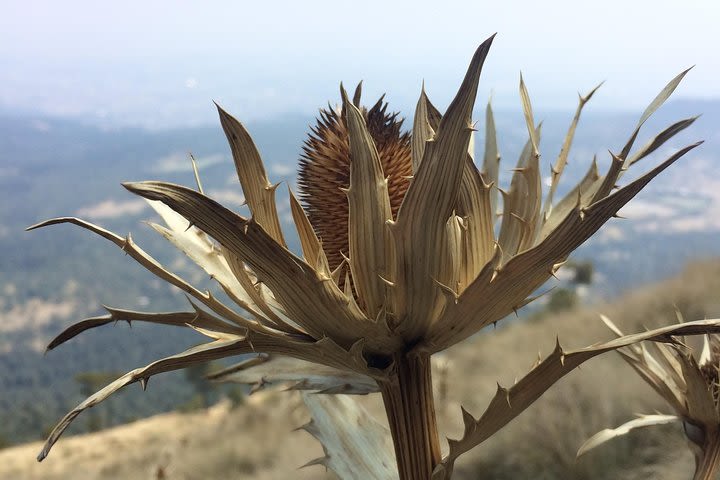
<point x="521" y="204"/>
<point x="153" y="266"/>
<point x="529" y="121"/>
<point x="660" y="139"/>
<point x="559" y="167"/>
<point x="259" y="192"/>
<point x="584" y="190"/>
<point x="429" y="202"/>
<point x="316" y="304"/>
<point x="610" y="179"/>
<point x="195" y="244"/>
<point x="491" y="160"/>
<point x="324" y="351"/>
<point x="274" y="313"/>
<point x="492" y="297"/>
<point x="198" y="318"/>
<point x="310" y="243"/>
<point x="508" y="403"/>
<point x="475" y="207"/>
<point x="698" y="396"/>
<point x="667" y="390"/>
<point x="371" y="252"/>
<point x="609" y="433"/>
<point x="654" y="105"/>
<point x="452" y="249"/>
<point x="272" y="370"/>
<point x="422" y="131"/>
<point x="199" y="354"/>
<point x="356" y="446"/>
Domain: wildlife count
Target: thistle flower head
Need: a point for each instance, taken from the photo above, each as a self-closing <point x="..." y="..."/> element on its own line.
<point x="689" y="383"/>
<point x="687" y="380"/>
<point x="412" y="218"/>
<point x="324" y="170"/>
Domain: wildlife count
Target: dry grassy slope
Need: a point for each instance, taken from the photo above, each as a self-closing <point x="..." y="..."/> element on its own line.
<point x="253" y="441"/>
<point x="257" y="440"/>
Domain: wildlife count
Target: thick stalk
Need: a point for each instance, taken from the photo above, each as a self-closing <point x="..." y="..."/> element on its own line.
<point x="408" y="398"/>
<point x="707" y="463"/>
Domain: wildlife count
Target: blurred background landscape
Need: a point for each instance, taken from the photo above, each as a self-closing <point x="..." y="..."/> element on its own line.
<point x="91" y="96"/>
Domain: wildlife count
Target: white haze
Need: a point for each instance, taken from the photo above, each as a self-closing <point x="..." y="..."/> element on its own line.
<point x="160" y="63"/>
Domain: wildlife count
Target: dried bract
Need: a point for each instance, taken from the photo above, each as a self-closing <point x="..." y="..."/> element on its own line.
<point x="689" y="384"/>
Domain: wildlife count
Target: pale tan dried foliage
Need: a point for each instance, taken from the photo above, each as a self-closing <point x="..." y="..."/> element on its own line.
<point x="417" y="278"/>
<point x="689" y="384"/>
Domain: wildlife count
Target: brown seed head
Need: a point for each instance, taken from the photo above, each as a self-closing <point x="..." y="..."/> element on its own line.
<point x="325" y="170"/>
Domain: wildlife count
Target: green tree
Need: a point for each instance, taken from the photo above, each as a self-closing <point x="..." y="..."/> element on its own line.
<point x="562" y="299"/>
<point x="204" y="391"/>
<point x="583" y="273"/>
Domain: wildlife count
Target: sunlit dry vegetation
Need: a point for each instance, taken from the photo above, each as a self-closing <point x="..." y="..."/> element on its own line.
<point x="259" y="441"/>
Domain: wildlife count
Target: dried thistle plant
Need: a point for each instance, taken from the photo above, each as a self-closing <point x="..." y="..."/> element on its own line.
<point x="689" y="385"/>
<point x="420" y="266"/>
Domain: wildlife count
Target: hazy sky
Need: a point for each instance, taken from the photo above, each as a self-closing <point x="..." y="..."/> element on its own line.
<point x="161" y="62"/>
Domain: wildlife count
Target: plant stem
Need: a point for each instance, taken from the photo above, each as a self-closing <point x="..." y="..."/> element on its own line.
<point x="707" y="463"/>
<point x="408" y="399"/>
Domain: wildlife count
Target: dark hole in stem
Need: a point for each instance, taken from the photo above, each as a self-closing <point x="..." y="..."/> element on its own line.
<point x="379" y="361"/>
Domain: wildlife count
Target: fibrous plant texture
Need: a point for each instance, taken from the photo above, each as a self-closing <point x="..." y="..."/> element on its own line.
<point x="325" y="170"/>
<point x="689" y="384"/>
<point x="400" y="260"/>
